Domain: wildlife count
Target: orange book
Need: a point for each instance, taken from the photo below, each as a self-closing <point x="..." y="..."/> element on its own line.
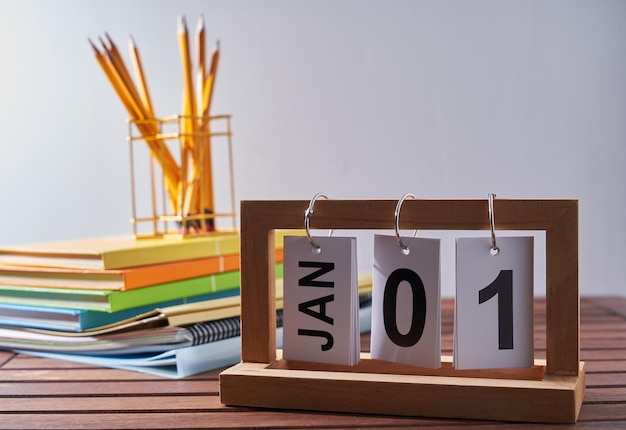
<point x="122" y="279"/>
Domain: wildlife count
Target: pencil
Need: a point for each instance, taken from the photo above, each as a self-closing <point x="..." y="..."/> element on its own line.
<point x="140" y="77"/>
<point x="158" y="149"/>
<point x="116" y="61"/>
<point x="109" y="74"/>
<point x="207" y="97"/>
<point x="189" y="107"/>
<point x="200" y="54"/>
<point x="189" y="171"/>
<point x="200" y="141"/>
<point x="209" y="83"/>
<point x="203" y="153"/>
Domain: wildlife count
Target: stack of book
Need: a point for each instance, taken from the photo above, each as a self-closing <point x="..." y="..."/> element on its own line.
<point x="166" y="305"/>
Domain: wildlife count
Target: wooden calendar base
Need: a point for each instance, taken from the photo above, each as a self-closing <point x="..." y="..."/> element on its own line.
<point x="376" y="387"/>
<point x="552" y="391"/>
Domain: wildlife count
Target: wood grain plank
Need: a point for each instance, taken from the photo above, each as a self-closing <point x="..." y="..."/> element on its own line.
<point x="592" y="416"/>
<point x="42" y="393"/>
<point x="606" y="380"/>
<point x="615" y="305"/>
<point x="602" y="411"/>
<point x="95" y="374"/>
<point x="606" y="395"/>
<point x="169" y="422"/>
<point x="109" y="388"/>
<point x="251" y="420"/>
<point x="188" y="419"/>
<point x="605" y="366"/>
<point x="602" y="354"/>
<point x="112" y="404"/>
<point x="25" y="362"/>
<point x="5" y="357"/>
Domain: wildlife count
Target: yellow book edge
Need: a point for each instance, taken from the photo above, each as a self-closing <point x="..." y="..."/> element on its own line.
<point x="122" y="252"/>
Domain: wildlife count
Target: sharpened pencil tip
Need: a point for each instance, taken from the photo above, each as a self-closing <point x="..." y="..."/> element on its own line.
<point x="107" y="44"/>
<point x="109" y="39"/>
<point x="182" y="24"/>
<point x="93" y="45"/>
<point x="200" y="26"/>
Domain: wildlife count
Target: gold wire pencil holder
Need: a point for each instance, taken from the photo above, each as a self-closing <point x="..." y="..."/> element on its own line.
<point x="177" y="198"/>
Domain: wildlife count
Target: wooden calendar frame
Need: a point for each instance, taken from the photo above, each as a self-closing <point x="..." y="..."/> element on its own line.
<point x="552" y="391"/>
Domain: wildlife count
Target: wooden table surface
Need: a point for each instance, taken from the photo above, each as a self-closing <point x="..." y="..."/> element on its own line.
<point x="45" y="393"/>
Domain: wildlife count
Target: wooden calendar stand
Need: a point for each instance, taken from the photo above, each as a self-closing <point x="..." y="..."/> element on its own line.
<point x="552" y="391"/>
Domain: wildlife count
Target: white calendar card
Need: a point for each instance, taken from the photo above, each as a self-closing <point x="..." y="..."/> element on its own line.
<point x="406" y="301"/>
<point x="494" y="304"/>
<point x="321" y="300"/>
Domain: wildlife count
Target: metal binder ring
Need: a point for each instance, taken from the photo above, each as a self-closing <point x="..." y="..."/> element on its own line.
<point x="492" y="224"/>
<point x="307" y="214"/>
<point x="396" y="220"/>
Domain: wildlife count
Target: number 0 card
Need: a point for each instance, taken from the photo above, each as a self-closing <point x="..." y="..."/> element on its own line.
<point x="494" y="304"/>
<point x="406" y="311"/>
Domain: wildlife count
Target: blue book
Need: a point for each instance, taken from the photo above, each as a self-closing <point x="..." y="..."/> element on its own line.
<point x="77" y="320"/>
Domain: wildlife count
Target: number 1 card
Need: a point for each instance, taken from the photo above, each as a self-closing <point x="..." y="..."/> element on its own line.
<point x="494" y="304"/>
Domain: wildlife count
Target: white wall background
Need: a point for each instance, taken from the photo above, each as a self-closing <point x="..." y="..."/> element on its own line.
<point x="356" y="99"/>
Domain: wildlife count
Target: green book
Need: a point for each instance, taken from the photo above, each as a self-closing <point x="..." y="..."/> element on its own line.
<point x="113" y="301"/>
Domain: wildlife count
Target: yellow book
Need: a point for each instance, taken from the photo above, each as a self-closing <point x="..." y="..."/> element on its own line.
<point x="120" y="252"/>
